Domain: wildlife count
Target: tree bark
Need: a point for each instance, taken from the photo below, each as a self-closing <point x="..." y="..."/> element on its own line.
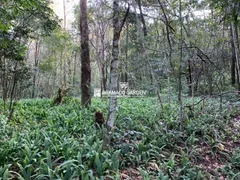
<point x="85" y="59"/>
<point x="114" y="64"/>
<point x="36" y="62"/>
<point x="103" y="62"/>
<point x="126" y="57"/>
<point x="236" y="49"/>
<point x="74" y="69"/>
<point x="117" y="28"/>
<point x="168" y="36"/>
<point x="233" y="61"/>
<point x="4" y="81"/>
<point x="64" y="50"/>
<point x="142" y="18"/>
<point x="189" y="78"/>
<point x="13" y="86"/>
<point x="180" y="66"/>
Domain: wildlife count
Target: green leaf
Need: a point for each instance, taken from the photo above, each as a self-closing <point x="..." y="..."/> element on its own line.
<point x="115" y="160"/>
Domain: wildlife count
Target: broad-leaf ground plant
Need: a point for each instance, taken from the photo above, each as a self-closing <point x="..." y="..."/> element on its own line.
<point x="45" y="141"/>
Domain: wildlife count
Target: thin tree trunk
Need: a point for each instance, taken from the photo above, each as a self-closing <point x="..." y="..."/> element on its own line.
<point x="233" y="61"/>
<point x="189" y="78"/>
<point x="35" y="68"/>
<point x="180" y="66"/>
<point x="114" y="64"/>
<point x="142" y="18"/>
<point x="64" y="72"/>
<point x="146" y="56"/>
<point x="64" y="15"/>
<point x="69" y="73"/>
<point x="236" y="49"/>
<point x="54" y="81"/>
<point x="168" y="36"/>
<point x="85" y="59"/>
<point x="13" y="86"/>
<point x="103" y="61"/>
<point x="4" y="80"/>
<point x="102" y="32"/>
<point x="61" y="69"/>
<point x="126" y="58"/>
<point x="64" y="50"/>
<point x="114" y="72"/>
<point x="74" y="69"/>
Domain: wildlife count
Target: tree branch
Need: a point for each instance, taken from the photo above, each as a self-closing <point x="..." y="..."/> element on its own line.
<point x="142" y="18"/>
<point x="124" y="20"/>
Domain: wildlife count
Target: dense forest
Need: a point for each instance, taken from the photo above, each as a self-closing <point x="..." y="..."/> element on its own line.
<point x="120" y="89"/>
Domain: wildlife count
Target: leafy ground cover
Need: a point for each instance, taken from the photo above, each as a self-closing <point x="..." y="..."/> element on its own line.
<point x="44" y="141"/>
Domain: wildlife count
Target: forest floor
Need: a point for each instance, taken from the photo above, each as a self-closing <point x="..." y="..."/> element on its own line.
<point x="211" y="163"/>
<point x="45" y="141"/>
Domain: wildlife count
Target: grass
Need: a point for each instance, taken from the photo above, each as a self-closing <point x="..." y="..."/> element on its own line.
<point x="44" y="141"/>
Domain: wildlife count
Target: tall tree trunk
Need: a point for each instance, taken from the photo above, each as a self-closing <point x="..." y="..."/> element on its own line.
<point x="64" y="50"/>
<point x="104" y="87"/>
<point x="85" y="59"/>
<point x="142" y="18"/>
<point x="74" y="69"/>
<point x="236" y="49"/>
<point x="64" y="15"/>
<point x="4" y="80"/>
<point x="126" y="57"/>
<point x="69" y="72"/>
<point x="103" y="81"/>
<point x="64" y="71"/>
<point x="102" y="26"/>
<point x="35" y="68"/>
<point x="114" y="71"/>
<point x="13" y="87"/>
<point x="180" y="66"/>
<point x="168" y="36"/>
<point x="145" y="54"/>
<point x="233" y="61"/>
<point x="114" y="64"/>
<point x="61" y="69"/>
<point x="189" y="78"/>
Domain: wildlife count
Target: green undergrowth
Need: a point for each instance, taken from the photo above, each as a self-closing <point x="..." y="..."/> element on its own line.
<point x="45" y="141"/>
